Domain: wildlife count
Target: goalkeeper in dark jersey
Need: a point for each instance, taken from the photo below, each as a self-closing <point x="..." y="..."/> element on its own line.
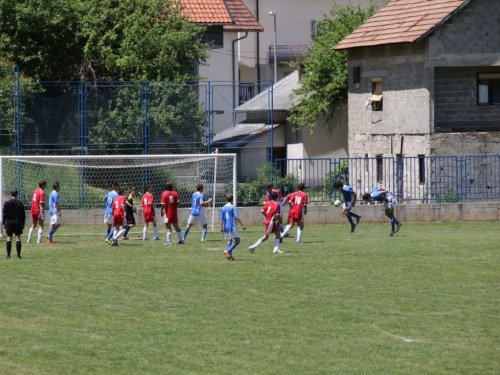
<point x="129" y="211"/>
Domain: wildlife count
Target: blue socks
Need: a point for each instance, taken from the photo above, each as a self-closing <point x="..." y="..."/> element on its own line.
<point x="230" y="248"/>
<point x="394" y="222"/>
<point x="203" y="233"/>
<point x="349" y="217"/>
<point x="51" y="233"/>
<point x="186" y="231"/>
<point x="111" y="233"/>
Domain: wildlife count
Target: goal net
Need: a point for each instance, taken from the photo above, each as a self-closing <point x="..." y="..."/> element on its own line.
<point x="85" y="180"/>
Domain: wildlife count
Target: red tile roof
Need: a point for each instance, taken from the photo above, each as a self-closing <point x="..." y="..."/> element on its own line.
<point x="243" y="18"/>
<point x="402" y="21"/>
<point x="207" y="11"/>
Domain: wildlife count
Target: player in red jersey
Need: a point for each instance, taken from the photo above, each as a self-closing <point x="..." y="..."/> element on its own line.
<point x="298" y="209"/>
<point x="37" y="210"/>
<point x="169" y="201"/>
<point x="271" y="211"/>
<point x="118" y="208"/>
<point x="269" y="190"/>
<point x="147" y="203"/>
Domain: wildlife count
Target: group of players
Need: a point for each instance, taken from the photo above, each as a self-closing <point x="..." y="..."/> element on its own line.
<point x="119" y="214"/>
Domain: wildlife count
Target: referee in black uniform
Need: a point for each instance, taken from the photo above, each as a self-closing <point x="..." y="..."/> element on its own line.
<point x="13" y="221"/>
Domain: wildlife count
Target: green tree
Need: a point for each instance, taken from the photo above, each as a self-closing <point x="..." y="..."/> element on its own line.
<point x="99" y="40"/>
<point x="324" y="82"/>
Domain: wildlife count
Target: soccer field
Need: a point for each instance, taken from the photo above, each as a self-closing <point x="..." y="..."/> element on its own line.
<point x="426" y="301"/>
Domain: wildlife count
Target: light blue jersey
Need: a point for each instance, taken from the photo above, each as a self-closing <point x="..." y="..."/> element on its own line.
<point x="228" y="214"/>
<point x="108" y="209"/>
<point x="347" y="193"/>
<point x="196" y="200"/>
<point x="53" y="199"/>
<point x="379" y="196"/>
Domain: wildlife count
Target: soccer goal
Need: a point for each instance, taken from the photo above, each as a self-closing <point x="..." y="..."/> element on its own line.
<point x="85" y="180"/>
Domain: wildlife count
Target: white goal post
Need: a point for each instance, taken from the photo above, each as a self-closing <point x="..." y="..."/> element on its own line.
<point x="85" y="180"/>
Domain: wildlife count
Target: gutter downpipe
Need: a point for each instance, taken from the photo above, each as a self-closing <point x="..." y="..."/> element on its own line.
<point x="234" y="70"/>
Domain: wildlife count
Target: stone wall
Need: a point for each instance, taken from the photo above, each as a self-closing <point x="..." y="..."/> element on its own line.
<point x="403" y="126"/>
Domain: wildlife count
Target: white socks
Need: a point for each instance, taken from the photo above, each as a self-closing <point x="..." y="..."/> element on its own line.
<point x="144" y="232"/>
<point x="299" y="234"/>
<point x="287" y="229"/>
<point x="257" y="244"/>
<point x="276" y="244"/>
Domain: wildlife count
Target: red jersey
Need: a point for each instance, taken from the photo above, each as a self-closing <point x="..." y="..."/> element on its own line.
<point x="118" y="204"/>
<point x="170" y="199"/>
<point x="280" y="196"/>
<point x="147" y="204"/>
<point x="271" y="210"/>
<point x="37" y="199"/>
<point x="297" y="200"/>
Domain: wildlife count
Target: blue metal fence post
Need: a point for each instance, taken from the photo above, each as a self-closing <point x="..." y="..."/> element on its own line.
<point x="461" y="191"/>
<point x="209" y="121"/>
<point x="17" y="111"/>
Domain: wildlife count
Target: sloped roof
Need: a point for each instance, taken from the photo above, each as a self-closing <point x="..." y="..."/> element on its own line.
<point x="244" y="20"/>
<point x="402" y="21"/>
<point x="241" y="133"/>
<point x="207" y="11"/>
<point x="284" y="98"/>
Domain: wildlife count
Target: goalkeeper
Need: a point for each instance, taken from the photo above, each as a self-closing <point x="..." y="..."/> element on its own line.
<point x="129" y="210"/>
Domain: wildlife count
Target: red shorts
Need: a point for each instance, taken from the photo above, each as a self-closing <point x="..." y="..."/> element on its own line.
<point x="171" y="219"/>
<point x="292" y="216"/>
<point x="149" y="217"/>
<point x="36" y="217"/>
<point x="272" y="227"/>
<point x="118" y="220"/>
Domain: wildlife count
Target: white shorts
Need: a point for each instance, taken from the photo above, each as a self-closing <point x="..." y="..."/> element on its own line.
<point x="108" y="219"/>
<point x="200" y="220"/>
<point x="55" y="219"/>
<point x="232" y="235"/>
<point x="389" y="203"/>
<point x="347" y="205"/>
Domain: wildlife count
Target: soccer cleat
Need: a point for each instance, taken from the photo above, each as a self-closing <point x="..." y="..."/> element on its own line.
<point x="49" y="242"/>
<point x="168" y="243"/>
<point x="398" y="227"/>
<point x="232" y="259"/>
<point x="227" y="255"/>
<point x="391" y="234"/>
<point x="181" y="242"/>
<point x="114" y="243"/>
<point x="145" y="239"/>
<point x="298" y="242"/>
<point x="29" y="241"/>
<point x="277" y="251"/>
<point x="287" y="235"/>
<point x="19" y="257"/>
<point x="107" y="241"/>
<point x="126" y="238"/>
<point x="39" y="241"/>
<point x="353" y="228"/>
<point x="252" y="249"/>
<point x="281" y="239"/>
<point x="156" y="239"/>
<point x="8" y="256"/>
<point x="358" y="219"/>
<point x="203" y="240"/>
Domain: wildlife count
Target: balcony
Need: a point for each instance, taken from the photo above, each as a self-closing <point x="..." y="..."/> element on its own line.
<point x="286" y="53"/>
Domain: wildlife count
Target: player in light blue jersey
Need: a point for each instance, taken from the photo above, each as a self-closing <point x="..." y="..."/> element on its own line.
<point x="54" y="211"/>
<point x="229" y="219"/>
<point x="108" y="211"/>
<point x="350" y="198"/>
<point x="385" y="196"/>
<point x="197" y="214"/>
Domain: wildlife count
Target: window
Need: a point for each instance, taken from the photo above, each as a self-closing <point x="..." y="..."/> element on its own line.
<point x="380" y="168"/>
<point x="377" y="94"/>
<point x="214" y="35"/>
<point x="314" y="29"/>
<point x="356" y="76"/>
<point x="488" y="89"/>
<point x="245" y="93"/>
<point x="421" y="169"/>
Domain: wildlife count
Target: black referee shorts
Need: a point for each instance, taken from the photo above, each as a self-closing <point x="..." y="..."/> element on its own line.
<point x="14" y="227"/>
<point x="130" y="218"/>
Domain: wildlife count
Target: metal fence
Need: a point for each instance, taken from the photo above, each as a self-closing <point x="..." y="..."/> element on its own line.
<point x="81" y="118"/>
<point x="438" y="179"/>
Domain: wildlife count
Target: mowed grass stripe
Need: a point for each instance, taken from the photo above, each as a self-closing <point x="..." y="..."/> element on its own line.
<point x="423" y="301"/>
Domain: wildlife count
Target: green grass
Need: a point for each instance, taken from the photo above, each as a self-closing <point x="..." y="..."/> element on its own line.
<point x="423" y="302"/>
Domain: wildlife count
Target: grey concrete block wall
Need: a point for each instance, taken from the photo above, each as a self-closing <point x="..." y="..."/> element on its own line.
<point x="405" y="71"/>
<point x="330" y="214"/>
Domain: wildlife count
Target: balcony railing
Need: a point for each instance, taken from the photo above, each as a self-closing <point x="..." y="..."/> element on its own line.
<point x="286" y="53"/>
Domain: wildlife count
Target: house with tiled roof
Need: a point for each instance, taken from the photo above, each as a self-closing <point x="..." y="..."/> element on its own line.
<point x="424" y="79"/>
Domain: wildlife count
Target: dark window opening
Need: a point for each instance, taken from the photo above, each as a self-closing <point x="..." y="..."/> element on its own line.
<point x="214" y="35"/>
<point x="421" y="169"/>
<point x="377" y="94"/>
<point x="380" y="168"/>
<point x="356" y="74"/>
<point x="488" y="89"/>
